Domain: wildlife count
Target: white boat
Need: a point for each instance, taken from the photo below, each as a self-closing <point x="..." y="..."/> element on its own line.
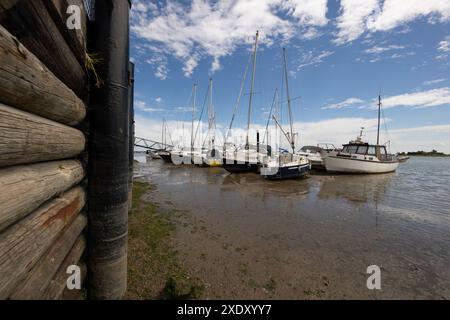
<point x="151" y="155"/>
<point x="312" y="154"/>
<point x="361" y="157"/>
<point x="186" y="156"/>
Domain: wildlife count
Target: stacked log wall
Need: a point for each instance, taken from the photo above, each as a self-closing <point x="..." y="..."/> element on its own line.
<point x="43" y="98"/>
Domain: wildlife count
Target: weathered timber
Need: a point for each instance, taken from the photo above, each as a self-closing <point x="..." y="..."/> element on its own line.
<point x="27" y="138"/>
<point x="56" y="288"/>
<point x="22" y="245"/>
<point x="26" y="83"/>
<point x="76" y="294"/>
<point x="75" y="38"/>
<point x="24" y="188"/>
<point x="33" y="26"/>
<point x="39" y="278"/>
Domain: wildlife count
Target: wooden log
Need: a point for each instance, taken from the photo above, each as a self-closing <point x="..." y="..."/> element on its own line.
<point x="75" y="38"/>
<point x="27" y="138"/>
<point x="33" y="26"/>
<point x="77" y="294"/>
<point x="26" y="83"/>
<point x="39" y="278"/>
<point x="6" y="5"/>
<point x="24" y="188"/>
<point x="56" y="288"/>
<point x="22" y="245"/>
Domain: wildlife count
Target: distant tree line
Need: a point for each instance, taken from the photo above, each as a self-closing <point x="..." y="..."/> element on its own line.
<point x="432" y="153"/>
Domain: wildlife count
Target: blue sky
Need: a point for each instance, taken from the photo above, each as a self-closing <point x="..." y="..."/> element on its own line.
<point x="340" y="55"/>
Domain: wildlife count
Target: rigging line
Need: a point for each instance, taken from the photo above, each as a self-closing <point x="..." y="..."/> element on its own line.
<point x="238" y="100"/>
<point x="270" y="113"/>
<point x="386" y="129"/>
<point x="288" y="101"/>
<point x="280" y="111"/>
<point x="252" y="83"/>
<point x="201" y="113"/>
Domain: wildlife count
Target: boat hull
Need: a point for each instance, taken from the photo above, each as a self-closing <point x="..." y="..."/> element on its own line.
<point x="166" y="157"/>
<point x="349" y="165"/>
<point x="234" y="166"/>
<point x="289" y="172"/>
<point x="402" y="159"/>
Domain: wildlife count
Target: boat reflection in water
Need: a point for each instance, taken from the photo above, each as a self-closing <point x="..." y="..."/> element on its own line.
<point x="355" y="189"/>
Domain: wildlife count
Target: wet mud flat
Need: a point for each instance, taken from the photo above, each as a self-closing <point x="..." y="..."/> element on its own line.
<point x="243" y="237"/>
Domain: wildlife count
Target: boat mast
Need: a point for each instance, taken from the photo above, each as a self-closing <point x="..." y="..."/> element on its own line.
<point x="379" y="112"/>
<point x="251" y="90"/>
<point x="162" y="133"/>
<point x="193" y="115"/>
<point x="288" y="101"/>
<point x="210" y="112"/>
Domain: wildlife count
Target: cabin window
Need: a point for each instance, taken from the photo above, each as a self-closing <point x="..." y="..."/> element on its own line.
<point x="345" y="149"/>
<point x="362" y="150"/>
<point x="383" y="150"/>
<point x="352" y="149"/>
<point x="371" y="151"/>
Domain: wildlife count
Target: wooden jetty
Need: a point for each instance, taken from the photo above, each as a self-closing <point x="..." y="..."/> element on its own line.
<point x="66" y="148"/>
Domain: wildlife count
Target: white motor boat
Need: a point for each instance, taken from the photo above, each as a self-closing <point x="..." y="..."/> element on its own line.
<point x="361" y="157"/>
<point x="312" y="153"/>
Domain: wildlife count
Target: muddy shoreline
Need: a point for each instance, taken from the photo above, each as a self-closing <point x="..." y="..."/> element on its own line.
<point x="312" y="239"/>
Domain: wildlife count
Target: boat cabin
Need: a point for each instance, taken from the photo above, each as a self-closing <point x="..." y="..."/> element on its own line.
<point x="365" y="149"/>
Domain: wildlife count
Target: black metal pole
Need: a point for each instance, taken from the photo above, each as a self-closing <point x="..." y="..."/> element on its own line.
<point x="108" y="168"/>
<point x="131" y="132"/>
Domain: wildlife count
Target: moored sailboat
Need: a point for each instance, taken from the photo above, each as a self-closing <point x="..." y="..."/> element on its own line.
<point x="285" y="165"/>
<point x="246" y="158"/>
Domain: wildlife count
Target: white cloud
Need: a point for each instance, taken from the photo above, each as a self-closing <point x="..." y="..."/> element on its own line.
<point x="141" y="105"/>
<point x="444" y="48"/>
<point x="313" y="58"/>
<point x="216" y="28"/>
<point x="346" y="103"/>
<point x="158" y="99"/>
<point x="422" y="99"/>
<point x="359" y="16"/>
<point x="399" y="12"/>
<point x="308" y="12"/>
<point x="421" y="138"/>
<point x="352" y="21"/>
<point x="444" y="45"/>
<point x="377" y="49"/>
<point x="159" y="62"/>
<point x="431" y="82"/>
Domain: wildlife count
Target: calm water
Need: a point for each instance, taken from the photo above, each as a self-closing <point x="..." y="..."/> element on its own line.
<point x="315" y="237"/>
